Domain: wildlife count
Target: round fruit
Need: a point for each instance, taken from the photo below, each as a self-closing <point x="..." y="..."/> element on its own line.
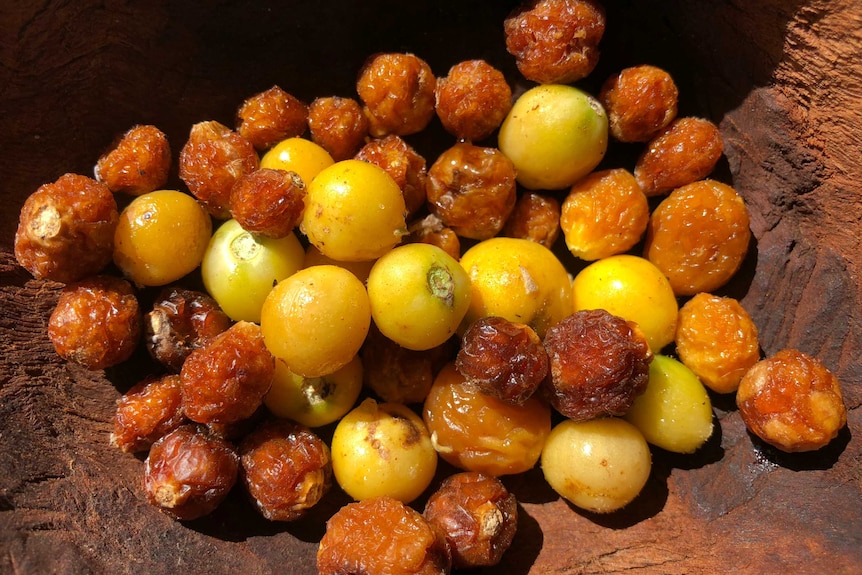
<point x="314" y="401"/>
<point x="383" y="449"/>
<point x="316" y="320"/>
<point x="599" y="465"/>
<point x="354" y="211"/>
<point x="555" y="135"/>
<point x="477" y="432"/>
<point x="298" y="155"/>
<point x="519" y="280"/>
<point x="419" y="295"/>
<point x="633" y="288"/>
<point x="161" y="236"/>
<point x="674" y="412"/>
<point x="239" y="268"/>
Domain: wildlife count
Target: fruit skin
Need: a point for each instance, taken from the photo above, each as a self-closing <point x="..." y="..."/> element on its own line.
<point x="555" y="135"/>
<point x="419" y="295"/>
<point x="675" y="412"/>
<point x="316" y="320"/>
<point x="717" y="339"/>
<point x="517" y="279"/>
<point x="383" y="449"/>
<point x="632" y="288"/>
<point x="66" y="229"/>
<point x="239" y="268"/>
<point x="97" y="322"/>
<point x="698" y="236"/>
<point x="354" y="211"/>
<point x="381" y="535"/>
<point x="599" y="465"/>
<point x="792" y="401"/>
<point x="314" y="401"/>
<point x="184" y="490"/>
<point x="475" y="431"/>
<point x="297" y="155"/>
<point x="598" y="365"/>
<point x="604" y="214"/>
<point x="224" y="382"/>
<point x="161" y="236"/>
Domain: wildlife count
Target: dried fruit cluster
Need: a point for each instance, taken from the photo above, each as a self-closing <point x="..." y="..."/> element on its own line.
<point x="538" y="365"/>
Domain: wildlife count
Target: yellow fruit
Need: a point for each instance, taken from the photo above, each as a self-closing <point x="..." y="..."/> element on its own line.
<point x="604" y="214"/>
<point x="633" y="288"/>
<point x="674" y="412"/>
<point x="160" y="237"/>
<point x="314" y="401"/>
<point x="419" y="295"/>
<point x="354" y="211"/>
<point x="239" y="268"/>
<point x="298" y="155"/>
<point x="600" y="465"/>
<point x="555" y="135"/>
<point x="519" y="280"/>
<point x="383" y="449"/>
<point x="316" y="320"/>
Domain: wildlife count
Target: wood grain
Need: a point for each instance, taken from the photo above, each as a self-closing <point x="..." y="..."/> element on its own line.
<point x="782" y="78"/>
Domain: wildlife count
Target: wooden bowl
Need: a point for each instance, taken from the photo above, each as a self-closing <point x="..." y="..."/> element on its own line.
<point x="782" y="78"/>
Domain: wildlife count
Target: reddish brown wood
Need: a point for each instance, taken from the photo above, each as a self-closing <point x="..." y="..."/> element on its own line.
<point x="783" y="78"/>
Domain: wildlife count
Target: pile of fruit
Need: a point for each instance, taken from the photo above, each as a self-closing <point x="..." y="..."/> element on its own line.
<point x="318" y="273"/>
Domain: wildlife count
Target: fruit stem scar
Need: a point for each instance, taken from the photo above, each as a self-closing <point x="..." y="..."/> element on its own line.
<point x="316" y="390"/>
<point x="46" y="224"/>
<point x="441" y="284"/>
<point x="244" y="247"/>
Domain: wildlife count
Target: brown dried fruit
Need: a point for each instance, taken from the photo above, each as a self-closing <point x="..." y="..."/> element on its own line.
<point x="792" y="401"/>
<point x="477" y="515"/>
<point x="430" y="230"/>
<point x="472" y="190"/>
<point x="599" y="364"/>
<point x="270" y="117"/>
<point x="181" y="321"/>
<point x="604" y="214"/>
<point x="684" y="152"/>
<point x="477" y="432"/>
<point x="189" y="472"/>
<point x="97" y="322"/>
<point x="338" y="125"/>
<point x="225" y="381"/>
<point x="139" y="162"/>
<point x="403" y="163"/>
<point x="211" y="161"/>
<point x="502" y="358"/>
<point x="640" y="101"/>
<point x="400" y="375"/>
<point x="698" y="236"/>
<point x="268" y="202"/>
<point x="286" y="468"/>
<point x="536" y="217"/>
<point x="150" y="409"/>
<point x="397" y="91"/>
<point x="66" y="229"/>
<point x="472" y="100"/>
<point x="717" y="340"/>
<point x="381" y="535"/>
<point x="555" y="41"/>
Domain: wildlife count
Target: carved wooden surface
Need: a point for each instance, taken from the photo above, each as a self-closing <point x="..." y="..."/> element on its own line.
<point x="783" y="79"/>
